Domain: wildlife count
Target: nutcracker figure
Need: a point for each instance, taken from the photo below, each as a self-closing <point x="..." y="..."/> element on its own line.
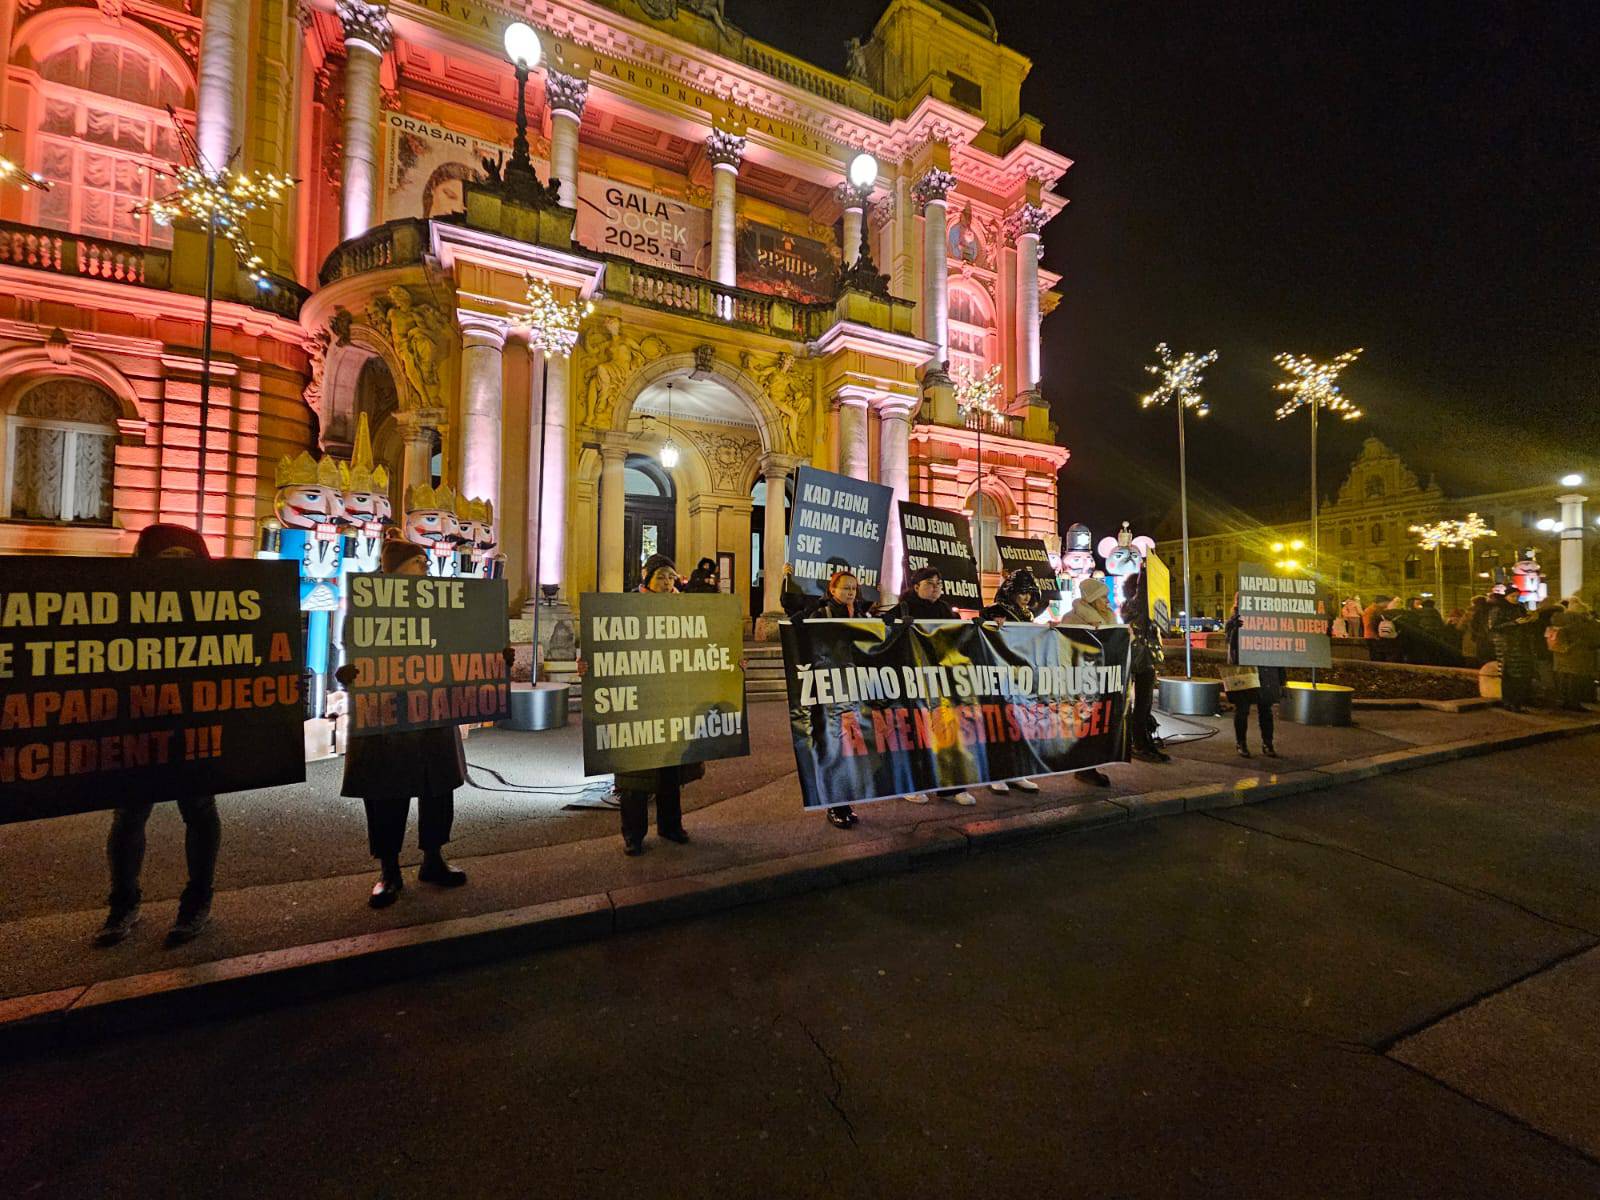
<point x="431" y="523"/>
<point x="1124" y="557"/>
<point x="1077" y="562"/>
<point x="369" y="517"/>
<point x="477" y="558"/>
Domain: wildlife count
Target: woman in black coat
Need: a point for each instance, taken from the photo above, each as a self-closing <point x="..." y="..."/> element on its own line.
<point x="924" y="599"/>
<point x="1261" y="698"/>
<point x="1146" y="659"/>
<point x="384" y="770"/>
<point x="1016" y="599"/>
<point x="841" y="600"/>
<point x="703" y="579"/>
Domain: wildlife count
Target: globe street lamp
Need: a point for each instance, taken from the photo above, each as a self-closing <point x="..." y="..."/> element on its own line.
<point x="524" y="51"/>
<point x="862" y="174"/>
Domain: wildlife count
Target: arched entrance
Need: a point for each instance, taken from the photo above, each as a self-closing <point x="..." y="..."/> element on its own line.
<point x="650" y="519"/>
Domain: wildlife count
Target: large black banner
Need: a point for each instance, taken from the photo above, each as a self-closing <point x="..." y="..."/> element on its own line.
<point x="937" y="538"/>
<point x="1285" y="621"/>
<point x="1029" y="554"/>
<point x="426" y="652"/>
<point x="878" y="711"/>
<point x="663" y="684"/>
<point x="838" y="523"/>
<point x="146" y="679"/>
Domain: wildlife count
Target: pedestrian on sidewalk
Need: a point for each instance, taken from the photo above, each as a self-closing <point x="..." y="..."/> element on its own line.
<point x="1574" y="640"/>
<point x="1147" y="659"/>
<point x="1511" y="630"/>
<point x="1092" y="608"/>
<point x="202" y="827"/>
<point x="703" y="579"/>
<point x="634" y="788"/>
<point x="1018" y="600"/>
<point x="842" y="600"/>
<point x="384" y="770"/>
<point x="1267" y="692"/>
<point x="923" y="600"/>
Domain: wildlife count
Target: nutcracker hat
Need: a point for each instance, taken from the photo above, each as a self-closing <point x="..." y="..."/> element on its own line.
<point x="1125" y="536"/>
<point x="424" y="496"/>
<point x="359" y="475"/>
<point x="481" y="511"/>
<point x="304" y="471"/>
<point x="1079" y="537"/>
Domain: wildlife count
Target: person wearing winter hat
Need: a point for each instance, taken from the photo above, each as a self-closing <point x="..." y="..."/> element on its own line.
<point x="1017" y="599"/>
<point x="704" y="578"/>
<point x="1573" y="637"/>
<point x="202" y="827"/>
<point x="384" y="770"/>
<point x="923" y="600"/>
<point x="1093" y="609"/>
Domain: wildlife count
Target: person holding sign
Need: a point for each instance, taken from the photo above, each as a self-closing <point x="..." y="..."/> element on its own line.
<point x="202" y="827"/>
<point x="1147" y="658"/>
<point x="1250" y="687"/>
<point x="842" y="600"/>
<point x="384" y="770"/>
<point x="1017" y="599"/>
<point x="924" y="601"/>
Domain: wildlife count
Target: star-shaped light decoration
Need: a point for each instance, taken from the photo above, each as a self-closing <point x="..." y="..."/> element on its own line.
<point x="224" y="197"/>
<point x="552" y="324"/>
<point x="11" y="172"/>
<point x="1314" y="383"/>
<point x="1180" y="379"/>
<point x="977" y="393"/>
<point x="1435" y="536"/>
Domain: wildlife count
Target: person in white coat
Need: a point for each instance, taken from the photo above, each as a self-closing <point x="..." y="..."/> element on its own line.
<point x="1093" y="609"/>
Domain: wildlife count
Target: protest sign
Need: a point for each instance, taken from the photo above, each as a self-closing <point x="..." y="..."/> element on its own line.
<point x="937" y="538"/>
<point x="1158" y="593"/>
<point x="426" y="652"/>
<point x="663" y="684"/>
<point x="126" y="680"/>
<point x="1284" y="620"/>
<point x="1029" y="554"/>
<point x="837" y="524"/>
<point x="878" y="711"/>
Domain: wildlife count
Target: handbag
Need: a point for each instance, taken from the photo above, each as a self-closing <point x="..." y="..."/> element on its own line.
<point x="1239" y="679"/>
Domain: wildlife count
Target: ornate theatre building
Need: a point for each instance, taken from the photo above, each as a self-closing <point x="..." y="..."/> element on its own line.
<point x="741" y="307"/>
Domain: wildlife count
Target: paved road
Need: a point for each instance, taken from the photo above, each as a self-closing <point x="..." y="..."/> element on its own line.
<point x="1390" y="991"/>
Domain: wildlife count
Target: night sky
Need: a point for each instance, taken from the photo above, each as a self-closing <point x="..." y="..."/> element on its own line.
<point x="1421" y="179"/>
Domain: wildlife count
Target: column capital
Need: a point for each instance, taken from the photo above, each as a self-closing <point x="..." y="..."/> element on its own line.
<point x="565" y="93"/>
<point x="418" y="423"/>
<point x="934" y="186"/>
<point x="897" y="408"/>
<point x="849" y="196"/>
<point x="853" y="396"/>
<point x="1027" y="220"/>
<point x="615" y="447"/>
<point x="725" y="148"/>
<point x="365" y="25"/>
<point x="776" y="466"/>
<point x="1572" y="498"/>
<point x="482" y="329"/>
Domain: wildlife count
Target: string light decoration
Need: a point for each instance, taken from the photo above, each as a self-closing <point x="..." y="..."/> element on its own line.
<point x="977" y="393"/>
<point x="1314" y="383"/>
<point x="11" y="172"/>
<point x="552" y="324"/>
<point x="1451" y="535"/>
<point x="1179" y="379"/>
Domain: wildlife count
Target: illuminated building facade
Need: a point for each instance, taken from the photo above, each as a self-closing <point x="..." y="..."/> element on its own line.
<point x="697" y="197"/>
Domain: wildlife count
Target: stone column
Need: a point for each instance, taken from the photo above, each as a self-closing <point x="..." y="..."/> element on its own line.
<point x="216" y="105"/>
<point x="775" y="470"/>
<point x="417" y="431"/>
<point x="726" y="152"/>
<point x="483" y="338"/>
<point x="852" y="407"/>
<point x="534" y="477"/>
<point x="930" y="193"/>
<point x="894" y="472"/>
<point x="854" y="208"/>
<point x="1024" y="226"/>
<point x="566" y="95"/>
<point x="553" y="472"/>
<point x="1571" y="543"/>
<point x="367" y="37"/>
<point x="613" y="457"/>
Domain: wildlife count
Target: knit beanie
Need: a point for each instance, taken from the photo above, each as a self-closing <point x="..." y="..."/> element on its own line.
<point x="397" y="552"/>
<point x="154" y="539"/>
<point x="1092" y="590"/>
<point x="656" y="562"/>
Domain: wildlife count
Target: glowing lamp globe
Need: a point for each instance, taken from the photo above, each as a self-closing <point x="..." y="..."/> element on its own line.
<point x="1573" y="480"/>
<point x="863" y="171"/>
<point x="522" y="45"/>
<point x="669" y="455"/>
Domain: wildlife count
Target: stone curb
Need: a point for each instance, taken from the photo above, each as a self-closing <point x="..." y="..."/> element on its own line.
<point x="69" y="1016"/>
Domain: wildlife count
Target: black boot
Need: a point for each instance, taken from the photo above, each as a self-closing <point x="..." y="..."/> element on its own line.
<point x="1096" y="777"/>
<point x="1244" y="751"/>
<point x="119" y="924"/>
<point x="389" y="886"/>
<point x="435" y="870"/>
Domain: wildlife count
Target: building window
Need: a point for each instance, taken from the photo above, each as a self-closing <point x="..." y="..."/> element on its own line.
<point x="1347" y="572"/>
<point x="986" y="521"/>
<point x="1411" y="566"/>
<point x="103" y="134"/>
<point x="60" y="453"/>
<point x="972" y="338"/>
<point x="1346" y="535"/>
<point x="1374" y="486"/>
<point x="1216" y="584"/>
<point x="965" y="92"/>
<point x="1377" y="535"/>
<point x="1199" y="583"/>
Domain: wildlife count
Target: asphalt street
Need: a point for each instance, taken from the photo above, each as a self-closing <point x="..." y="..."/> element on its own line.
<point x="1391" y="990"/>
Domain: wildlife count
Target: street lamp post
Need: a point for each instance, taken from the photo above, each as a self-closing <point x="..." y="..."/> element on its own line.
<point x="1178" y="381"/>
<point x="1315" y="385"/>
<point x="524" y="51"/>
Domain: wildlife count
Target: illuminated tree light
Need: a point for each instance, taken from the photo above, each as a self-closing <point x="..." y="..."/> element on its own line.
<point x="1314" y="383"/>
<point x="977" y="393"/>
<point x="1180" y="379"/>
<point x="11" y="172"/>
<point x="552" y="324"/>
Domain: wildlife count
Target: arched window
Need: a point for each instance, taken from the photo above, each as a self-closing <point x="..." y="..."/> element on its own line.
<point x="1199" y="583"/>
<point x="972" y="335"/>
<point x="985" y="512"/>
<point x="103" y="132"/>
<point x="1216" y="582"/>
<point x="1346" y="536"/>
<point x="1411" y="566"/>
<point x="1377" y="535"/>
<point x="1374" y="486"/>
<point x="60" y="443"/>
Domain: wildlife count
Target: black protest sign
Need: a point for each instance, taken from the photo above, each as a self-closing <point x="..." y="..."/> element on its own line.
<point x="426" y="652"/>
<point x="837" y="524"/>
<point x="1284" y="621"/>
<point x="1029" y="554"/>
<point x="126" y="680"/>
<point x="663" y="684"/>
<point x="942" y="540"/>
<point x="876" y="711"/>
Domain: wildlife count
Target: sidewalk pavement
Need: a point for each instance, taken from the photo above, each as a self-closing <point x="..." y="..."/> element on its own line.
<point x="294" y="870"/>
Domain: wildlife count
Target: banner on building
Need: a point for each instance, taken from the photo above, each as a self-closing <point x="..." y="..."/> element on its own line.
<point x="618" y="218"/>
<point x="426" y="652"/>
<point x="663" y="685"/>
<point x="837" y="524"/>
<point x="1158" y="593"/>
<point x="1030" y="554"/>
<point x="937" y="538"/>
<point x="427" y="165"/>
<point x="784" y="264"/>
<point x="878" y="711"/>
<point x="1285" y="619"/>
<point x="128" y="680"/>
